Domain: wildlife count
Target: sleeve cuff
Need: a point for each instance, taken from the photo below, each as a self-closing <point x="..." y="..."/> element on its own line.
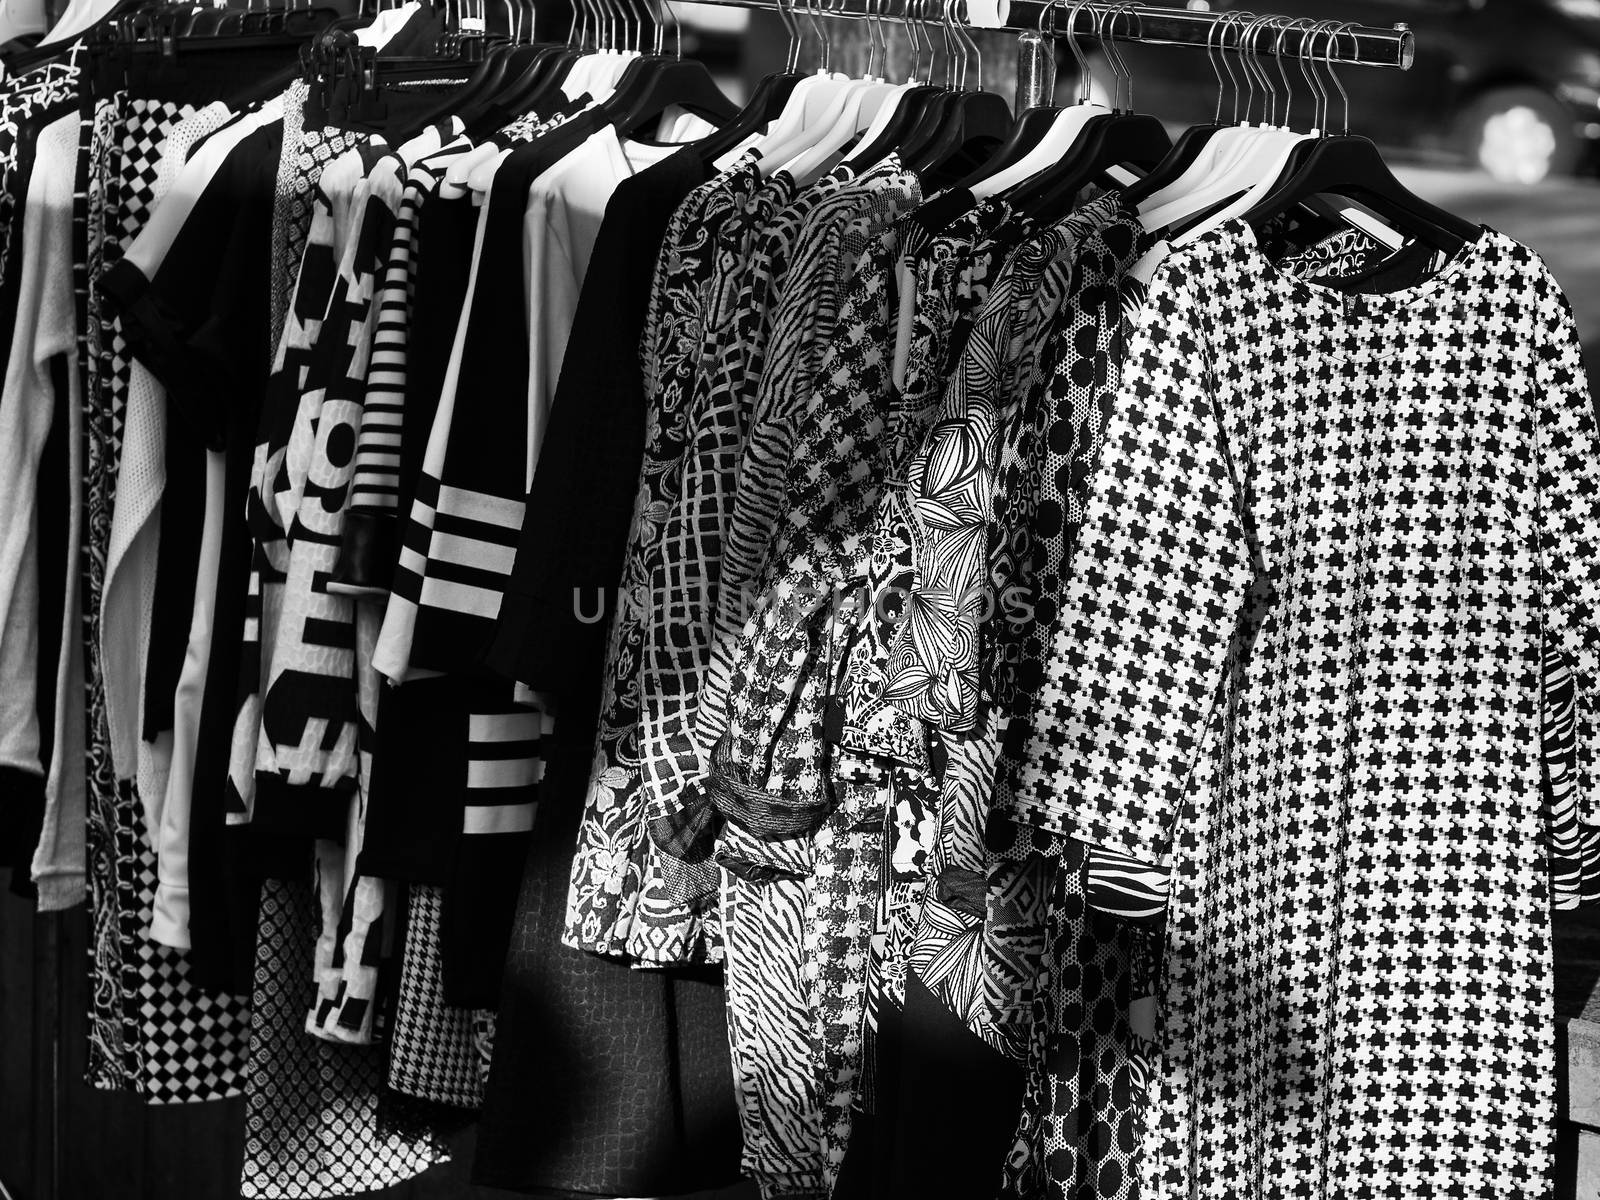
<point x="169" y="920"/>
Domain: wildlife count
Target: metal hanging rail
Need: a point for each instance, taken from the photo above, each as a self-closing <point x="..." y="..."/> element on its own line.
<point x="1356" y="45"/>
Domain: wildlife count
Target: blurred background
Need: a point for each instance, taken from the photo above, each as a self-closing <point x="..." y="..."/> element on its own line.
<point x="1498" y="120"/>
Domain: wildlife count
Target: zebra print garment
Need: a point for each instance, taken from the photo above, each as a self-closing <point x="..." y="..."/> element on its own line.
<point x="773" y="742"/>
<point x="1574" y="846"/>
<point x="827" y="943"/>
<point x="786" y="279"/>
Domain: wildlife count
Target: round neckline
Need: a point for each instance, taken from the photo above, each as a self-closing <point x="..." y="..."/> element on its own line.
<point x="1438" y="281"/>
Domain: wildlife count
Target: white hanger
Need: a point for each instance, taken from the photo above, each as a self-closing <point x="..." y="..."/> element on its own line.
<point x="1265" y="181"/>
<point x="891" y="107"/>
<point x="1223" y="147"/>
<point x="1069" y="124"/>
<point x="799" y="125"/>
<point x="1259" y="154"/>
<point x="861" y="107"/>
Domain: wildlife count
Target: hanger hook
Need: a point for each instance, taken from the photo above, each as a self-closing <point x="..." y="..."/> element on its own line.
<point x="822" y="40"/>
<point x="964" y="39"/>
<point x="1304" y="28"/>
<point x="1250" y="68"/>
<point x="1232" y="24"/>
<point x="1216" y="69"/>
<point x="885" y="68"/>
<point x="1078" y="56"/>
<point x="1117" y="31"/>
<point x="1330" y="32"/>
<point x="868" y="15"/>
<point x="1248" y="64"/>
<point x="912" y="39"/>
<point x="1107" y="35"/>
<point x="1131" y="10"/>
<point x="1283" y="71"/>
<point x="977" y="47"/>
<point x="1262" y="49"/>
<point x="1337" y="82"/>
<point x="1104" y="26"/>
<point x="925" y="24"/>
<point x="959" y="80"/>
<point x="1114" y="33"/>
<point x="1098" y="14"/>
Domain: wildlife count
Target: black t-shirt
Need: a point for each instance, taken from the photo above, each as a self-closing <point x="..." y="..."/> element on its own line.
<point x="581" y="502"/>
<point x="488" y="444"/>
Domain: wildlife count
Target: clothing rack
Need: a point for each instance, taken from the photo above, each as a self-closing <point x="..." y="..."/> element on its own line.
<point x="1355" y="45"/>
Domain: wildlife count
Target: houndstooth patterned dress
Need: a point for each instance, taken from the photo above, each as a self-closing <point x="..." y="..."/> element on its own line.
<point x="1300" y="658"/>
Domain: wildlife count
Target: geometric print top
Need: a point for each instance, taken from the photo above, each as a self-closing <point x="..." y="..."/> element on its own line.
<point x="1299" y="658"/>
<point x="956" y="482"/>
<point x="608" y="869"/>
<point x="281" y="475"/>
<point x="768" y="766"/>
<point x="310" y="728"/>
<point x="950" y="276"/>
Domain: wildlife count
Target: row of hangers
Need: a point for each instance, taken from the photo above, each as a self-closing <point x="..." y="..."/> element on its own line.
<point x="1258" y="166"/>
<point x="954" y="132"/>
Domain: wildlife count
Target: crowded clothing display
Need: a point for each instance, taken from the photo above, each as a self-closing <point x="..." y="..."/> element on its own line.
<point x="852" y="642"/>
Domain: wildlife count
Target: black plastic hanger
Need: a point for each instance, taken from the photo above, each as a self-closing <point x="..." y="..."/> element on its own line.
<point x="1118" y="140"/>
<point x="651" y="85"/>
<point x="1352" y="166"/>
<point x="973" y="126"/>
<point x="534" y="82"/>
<point x="1027" y="133"/>
<point x="1122" y="138"/>
<point x="1349" y="165"/>
<point x="911" y="108"/>
<point x="765" y="103"/>
<point x="204" y="22"/>
<point x="482" y="87"/>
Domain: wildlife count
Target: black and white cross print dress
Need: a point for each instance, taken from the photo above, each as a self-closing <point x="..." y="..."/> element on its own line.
<point x="1300" y="659"/>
